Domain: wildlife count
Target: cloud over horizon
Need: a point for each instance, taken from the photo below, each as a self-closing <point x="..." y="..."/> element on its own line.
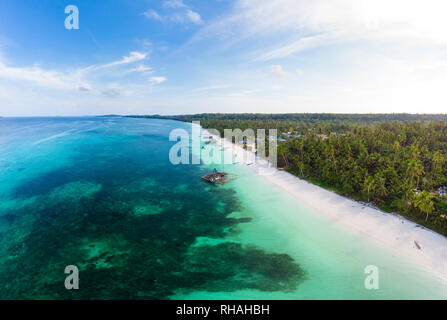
<point x="177" y="11"/>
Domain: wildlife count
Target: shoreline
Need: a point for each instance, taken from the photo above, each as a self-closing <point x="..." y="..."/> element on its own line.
<point x="424" y="246"/>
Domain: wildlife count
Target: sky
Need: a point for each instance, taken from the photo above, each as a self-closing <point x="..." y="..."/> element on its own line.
<point x="196" y="56"/>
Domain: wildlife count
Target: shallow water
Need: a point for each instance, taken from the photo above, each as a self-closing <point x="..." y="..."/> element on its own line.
<point x="101" y="194"/>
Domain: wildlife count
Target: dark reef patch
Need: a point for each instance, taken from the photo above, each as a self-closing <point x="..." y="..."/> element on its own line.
<point x="230" y="266"/>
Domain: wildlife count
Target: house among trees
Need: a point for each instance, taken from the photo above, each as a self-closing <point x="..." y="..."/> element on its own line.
<point x="289" y="135"/>
<point x="442" y="191"/>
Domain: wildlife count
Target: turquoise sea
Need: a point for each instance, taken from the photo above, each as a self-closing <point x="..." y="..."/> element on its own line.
<point x="101" y="194"/>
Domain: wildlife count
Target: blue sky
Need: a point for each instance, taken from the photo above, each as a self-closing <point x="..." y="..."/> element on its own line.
<point x="192" y="56"/>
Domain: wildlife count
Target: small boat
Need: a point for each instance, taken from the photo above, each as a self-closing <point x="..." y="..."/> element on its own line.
<point x="219" y="177"/>
<point x="216" y="177"/>
<point x="417" y="245"/>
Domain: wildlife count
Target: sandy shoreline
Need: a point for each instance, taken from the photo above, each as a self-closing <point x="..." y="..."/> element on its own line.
<point x="391" y="230"/>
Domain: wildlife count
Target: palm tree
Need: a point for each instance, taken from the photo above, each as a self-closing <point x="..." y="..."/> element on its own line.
<point x="283" y="150"/>
<point x="415" y="169"/>
<point x="369" y="185"/>
<point x="300" y="166"/>
<point x="438" y="162"/>
<point x="380" y="185"/>
<point x="396" y="148"/>
<point x="407" y="191"/>
<point x="423" y="201"/>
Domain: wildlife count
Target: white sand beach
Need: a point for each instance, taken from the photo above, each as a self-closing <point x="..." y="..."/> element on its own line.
<point x="423" y="246"/>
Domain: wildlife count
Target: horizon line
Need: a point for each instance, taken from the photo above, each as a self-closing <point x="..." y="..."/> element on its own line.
<point x="229" y="113"/>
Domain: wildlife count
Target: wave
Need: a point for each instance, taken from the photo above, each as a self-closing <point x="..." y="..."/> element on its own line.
<point x="56" y="136"/>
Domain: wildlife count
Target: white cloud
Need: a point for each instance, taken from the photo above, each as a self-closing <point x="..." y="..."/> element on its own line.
<point x="354" y="17"/>
<point x="140" y="68"/>
<point x="185" y="16"/>
<point x="174" y="4"/>
<point x="152" y="14"/>
<point x="193" y="16"/>
<point x="244" y="93"/>
<point x="75" y="80"/>
<point x="157" y="80"/>
<point x="213" y="87"/>
<point x="358" y="55"/>
<point x="181" y="13"/>
<point x="133" y="56"/>
<point x="44" y="78"/>
<point x="302" y="25"/>
<point x="278" y="72"/>
<point x="299" y="45"/>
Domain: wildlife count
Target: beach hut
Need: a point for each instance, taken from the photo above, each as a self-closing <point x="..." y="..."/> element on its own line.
<point x="442" y="191"/>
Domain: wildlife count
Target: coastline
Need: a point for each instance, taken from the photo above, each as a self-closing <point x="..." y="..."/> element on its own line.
<point x="423" y="246"/>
